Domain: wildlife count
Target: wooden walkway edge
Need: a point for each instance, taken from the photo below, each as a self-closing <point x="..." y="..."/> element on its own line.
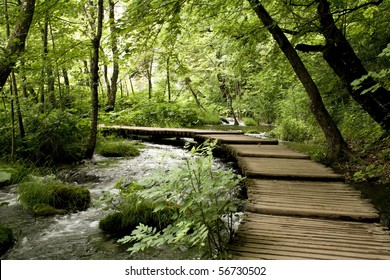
<point x="297" y="208"/>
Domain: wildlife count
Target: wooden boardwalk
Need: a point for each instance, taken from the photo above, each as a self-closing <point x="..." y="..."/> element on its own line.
<point x="297" y="208"/>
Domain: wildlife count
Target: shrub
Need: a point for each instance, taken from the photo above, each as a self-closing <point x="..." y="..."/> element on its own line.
<point x="249" y="121"/>
<point x="206" y="206"/>
<point x="59" y="196"/>
<point x="6" y="238"/>
<point x="289" y="129"/>
<point x="14" y="173"/>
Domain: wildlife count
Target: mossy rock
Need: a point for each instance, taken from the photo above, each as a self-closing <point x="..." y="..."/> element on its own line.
<point x="6" y="239"/>
<point x="71" y="198"/>
<point x="44" y="210"/>
<point x="5" y="178"/>
<point x="121" y="223"/>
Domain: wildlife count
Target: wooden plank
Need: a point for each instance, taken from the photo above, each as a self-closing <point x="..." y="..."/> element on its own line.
<point x="267" y="151"/>
<point x="234" y="139"/>
<point x="282" y="237"/>
<point x="311" y="199"/>
<point x="291" y="169"/>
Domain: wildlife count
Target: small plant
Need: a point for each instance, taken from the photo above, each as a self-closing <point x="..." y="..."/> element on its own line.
<point x="369" y="173"/>
<point x="206" y="200"/>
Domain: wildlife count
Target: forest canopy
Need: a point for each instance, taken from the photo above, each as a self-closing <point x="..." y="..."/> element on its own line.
<point x="315" y="70"/>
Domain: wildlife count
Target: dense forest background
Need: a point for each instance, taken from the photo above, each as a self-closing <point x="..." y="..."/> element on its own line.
<point x="316" y="71"/>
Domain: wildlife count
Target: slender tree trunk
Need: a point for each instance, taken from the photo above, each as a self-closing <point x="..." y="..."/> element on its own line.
<point x="87" y="74"/>
<point x="16" y="42"/>
<point x="187" y="81"/>
<point x="114" y="48"/>
<point x="168" y="80"/>
<point x="341" y="57"/>
<point x="47" y="63"/>
<point x="17" y="103"/>
<point x="131" y="83"/>
<point x="337" y="147"/>
<point x="225" y="93"/>
<point x="95" y="82"/>
<point x="106" y="80"/>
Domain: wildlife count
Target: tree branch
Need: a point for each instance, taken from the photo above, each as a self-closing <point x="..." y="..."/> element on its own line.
<point x="309" y="48"/>
<point x="347" y="11"/>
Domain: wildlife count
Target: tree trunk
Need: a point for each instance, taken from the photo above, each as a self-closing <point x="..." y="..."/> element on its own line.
<point x="114" y="48"/>
<point x="337" y="148"/>
<point x="168" y="80"/>
<point x="341" y="57"/>
<point x="187" y="81"/>
<point x="16" y="42"/>
<point x="95" y="82"/>
<point x="226" y="95"/>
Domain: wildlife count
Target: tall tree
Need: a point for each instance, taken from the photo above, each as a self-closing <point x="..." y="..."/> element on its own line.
<point x="114" y="48"/>
<point x="95" y="80"/>
<point x="337" y="147"/>
<point x="17" y="40"/>
<point x="341" y="57"/>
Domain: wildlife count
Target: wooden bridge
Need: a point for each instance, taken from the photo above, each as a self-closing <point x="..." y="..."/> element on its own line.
<point x="297" y="209"/>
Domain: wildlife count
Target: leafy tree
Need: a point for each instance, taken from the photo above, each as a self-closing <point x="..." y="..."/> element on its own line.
<point x="97" y="35"/>
<point x="338" y="148"/>
<point x="17" y="40"/>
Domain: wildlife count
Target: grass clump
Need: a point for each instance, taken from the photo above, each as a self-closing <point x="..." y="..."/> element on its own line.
<point x="6" y="238"/>
<point x="14" y="173"/>
<point x="59" y="196"/>
<point x="115" y="147"/>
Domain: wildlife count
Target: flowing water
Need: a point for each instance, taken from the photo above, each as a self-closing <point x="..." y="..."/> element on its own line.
<point x="77" y="235"/>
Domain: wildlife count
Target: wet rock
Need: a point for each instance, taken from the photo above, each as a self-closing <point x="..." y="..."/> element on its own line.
<point x="44" y="210"/>
<point x="74" y="176"/>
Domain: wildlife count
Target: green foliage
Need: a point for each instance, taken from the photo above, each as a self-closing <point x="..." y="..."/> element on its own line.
<point x="114" y="147"/>
<point x="158" y="113"/>
<point x="368" y="173"/>
<point x="59" y="196"/>
<point x="206" y="200"/>
<point x="132" y="210"/>
<point x="5" y="178"/>
<point x="16" y="172"/>
<point x="249" y="121"/>
<point x="6" y="238"/>
<point x="292" y="130"/>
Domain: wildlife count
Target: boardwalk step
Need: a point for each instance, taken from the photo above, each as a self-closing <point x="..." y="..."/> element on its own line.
<point x="292" y="169"/>
<point x="279" y="237"/>
<point x="234" y="139"/>
<point x="309" y="199"/>
<point x="264" y="151"/>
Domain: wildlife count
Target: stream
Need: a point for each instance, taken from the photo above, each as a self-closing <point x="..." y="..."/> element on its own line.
<point x="77" y="235"/>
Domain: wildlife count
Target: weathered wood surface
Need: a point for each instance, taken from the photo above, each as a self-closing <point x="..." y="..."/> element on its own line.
<point x="309" y="199"/>
<point x="284" y="238"/>
<point x="164" y="132"/>
<point x="292" y="169"/>
<point x="234" y="139"/>
<point x="263" y="151"/>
